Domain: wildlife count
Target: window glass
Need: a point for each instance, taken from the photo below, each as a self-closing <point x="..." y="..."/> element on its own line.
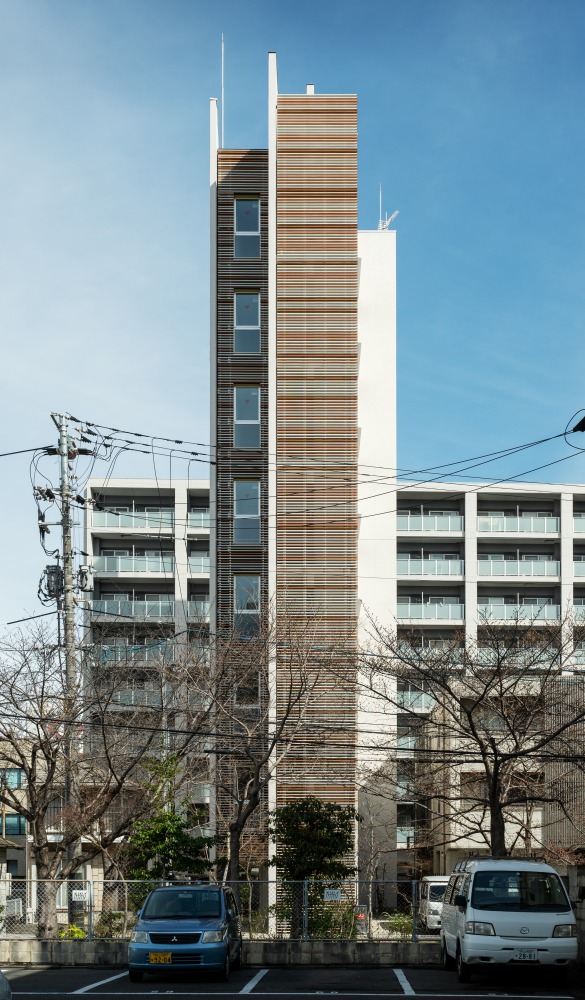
<point x="246" y="605"/>
<point x="11" y="777"/>
<point x="247" y="416"/>
<point x="247" y="323"/>
<point x="518" y="890"/>
<point x="247" y="511"/>
<point x="14" y="825"/>
<point x="247" y="227"/>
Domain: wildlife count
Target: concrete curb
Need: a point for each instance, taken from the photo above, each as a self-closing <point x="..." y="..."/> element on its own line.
<point x="255" y="953"/>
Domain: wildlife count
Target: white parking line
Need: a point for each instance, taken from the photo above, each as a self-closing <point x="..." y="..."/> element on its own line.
<point x="406" y="987"/>
<point x="102" y="982"/>
<point x="250" y="986"/>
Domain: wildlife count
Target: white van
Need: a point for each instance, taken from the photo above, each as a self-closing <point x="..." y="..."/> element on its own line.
<point x="432" y="890"/>
<point x="506" y="912"/>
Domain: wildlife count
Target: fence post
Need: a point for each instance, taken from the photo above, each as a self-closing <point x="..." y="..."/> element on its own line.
<point x="305" y="910"/>
<point x="414" y="910"/>
<point x="90" y="910"/>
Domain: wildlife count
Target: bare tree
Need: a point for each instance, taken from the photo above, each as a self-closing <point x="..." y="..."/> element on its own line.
<point x="82" y="756"/>
<point x="262" y="694"/>
<point x="495" y="733"/>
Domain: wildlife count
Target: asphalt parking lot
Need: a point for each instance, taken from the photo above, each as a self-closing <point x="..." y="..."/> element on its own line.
<point x="296" y="982"/>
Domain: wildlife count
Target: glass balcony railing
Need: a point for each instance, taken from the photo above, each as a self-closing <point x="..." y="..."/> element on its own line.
<point x="139" y="697"/>
<point x="451" y="612"/>
<point x="404" y="836"/>
<point x="578" y="612"/>
<point x="525" y="523"/>
<point x="519" y="567"/>
<point x="198" y="519"/>
<point x="415" y="701"/>
<point x="520" y="612"/>
<point x="579" y="656"/>
<point x="198" y="610"/>
<point x="154" y="652"/>
<point x="429" y="522"/>
<point x="133" y="519"/>
<point x="154" y="563"/>
<point x="199" y="564"/>
<point x="579" y="524"/>
<point x="579" y="568"/>
<point x="136" y="609"/>
<point x="430" y="567"/>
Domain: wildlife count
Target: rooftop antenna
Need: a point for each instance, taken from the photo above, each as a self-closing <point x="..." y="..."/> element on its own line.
<point x="380" y="222"/>
<point x="222" y="85"/>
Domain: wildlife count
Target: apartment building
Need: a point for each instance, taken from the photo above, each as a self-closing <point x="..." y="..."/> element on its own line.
<point x="302" y="389"/>
<point x="467" y="555"/>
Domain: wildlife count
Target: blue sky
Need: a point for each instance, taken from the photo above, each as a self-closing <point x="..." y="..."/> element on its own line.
<point x="470" y="117"/>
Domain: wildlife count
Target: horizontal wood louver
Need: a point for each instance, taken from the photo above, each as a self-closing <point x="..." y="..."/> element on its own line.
<point x="240" y="172"/>
<point x="317" y="434"/>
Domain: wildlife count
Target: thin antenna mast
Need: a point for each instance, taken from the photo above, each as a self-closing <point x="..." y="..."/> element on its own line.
<point x="380" y="219"/>
<point x="222" y="86"/>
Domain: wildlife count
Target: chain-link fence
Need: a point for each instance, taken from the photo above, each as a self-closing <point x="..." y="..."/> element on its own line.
<point x="312" y="909"/>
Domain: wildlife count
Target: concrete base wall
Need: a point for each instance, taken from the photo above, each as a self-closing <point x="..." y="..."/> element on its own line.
<point x="256" y="953"/>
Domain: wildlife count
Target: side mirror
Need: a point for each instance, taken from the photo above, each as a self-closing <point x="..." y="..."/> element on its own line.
<point x="230" y="912"/>
<point x="461" y="901"/>
<point x="138" y="914"/>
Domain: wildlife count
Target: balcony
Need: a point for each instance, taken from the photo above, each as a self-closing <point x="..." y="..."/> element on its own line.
<point x="431" y="612"/>
<point x="139" y="697"/>
<point x="154" y="652"/>
<point x="198" y="519"/>
<point x="578" y="568"/>
<point x="522" y="524"/>
<point x="151" y="563"/>
<point x="404" y="837"/>
<point x="520" y="567"/>
<point x="520" y="612"/>
<point x="133" y="519"/>
<point x="154" y="610"/>
<point x="415" y="701"/>
<point x="198" y="610"/>
<point x="198" y="563"/>
<point x="430" y="522"/>
<point x="430" y="567"/>
<point x="579" y="524"/>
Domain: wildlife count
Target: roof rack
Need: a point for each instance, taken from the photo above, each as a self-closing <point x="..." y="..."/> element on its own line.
<point x="470" y="859"/>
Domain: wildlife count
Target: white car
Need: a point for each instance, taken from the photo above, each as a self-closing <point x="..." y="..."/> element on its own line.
<point x="506" y="912"/>
<point x="432" y="892"/>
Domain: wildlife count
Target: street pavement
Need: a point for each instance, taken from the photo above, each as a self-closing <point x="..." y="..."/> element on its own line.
<point x="288" y="983"/>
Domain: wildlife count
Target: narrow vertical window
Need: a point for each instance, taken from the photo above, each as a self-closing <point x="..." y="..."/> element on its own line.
<point x="247" y="227"/>
<point x="247" y="323"/>
<point x="246" y="605"/>
<point x="246" y="416"/>
<point x="247" y="511"/>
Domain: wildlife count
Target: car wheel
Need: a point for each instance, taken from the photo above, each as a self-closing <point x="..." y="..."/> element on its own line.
<point x="135" y="975"/>
<point x="463" y="970"/>
<point x="237" y="963"/>
<point x="446" y="960"/>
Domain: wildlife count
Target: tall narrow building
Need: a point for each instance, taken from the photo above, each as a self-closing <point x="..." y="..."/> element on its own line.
<point x="302" y="323"/>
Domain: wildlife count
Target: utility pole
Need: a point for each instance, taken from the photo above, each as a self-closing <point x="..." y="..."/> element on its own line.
<point x="66" y="601"/>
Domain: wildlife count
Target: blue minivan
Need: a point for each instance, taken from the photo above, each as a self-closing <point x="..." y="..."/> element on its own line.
<point x="186" y="927"/>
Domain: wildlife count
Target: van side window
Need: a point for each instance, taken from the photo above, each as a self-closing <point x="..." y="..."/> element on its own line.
<point x="450" y="887"/>
<point x="425" y="890"/>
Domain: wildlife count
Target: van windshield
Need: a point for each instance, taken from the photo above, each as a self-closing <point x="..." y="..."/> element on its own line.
<point x="510" y="890"/>
<point x="182" y="904"/>
<point x="437" y="891"/>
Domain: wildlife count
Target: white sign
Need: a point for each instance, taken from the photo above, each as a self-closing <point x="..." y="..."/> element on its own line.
<point x="332" y="895"/>
<point x="79" y="895"/>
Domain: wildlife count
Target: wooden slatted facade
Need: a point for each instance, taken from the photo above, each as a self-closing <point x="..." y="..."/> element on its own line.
<point x="316" y="351"/>
<point x="316" y="419"/>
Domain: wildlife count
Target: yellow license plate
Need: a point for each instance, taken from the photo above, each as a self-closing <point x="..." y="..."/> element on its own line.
<point x="159" y="957"/>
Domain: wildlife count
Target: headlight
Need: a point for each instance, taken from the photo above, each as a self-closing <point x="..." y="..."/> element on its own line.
<point x="479" y="927"/>
<point x="208" y="936"/>
<point x="139" y="937"/>
<point x="565" y="930"/>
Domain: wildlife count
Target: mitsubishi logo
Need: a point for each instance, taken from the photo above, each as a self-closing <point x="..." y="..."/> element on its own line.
<point x="174" y="940"/>
<point x="524" y="930"/>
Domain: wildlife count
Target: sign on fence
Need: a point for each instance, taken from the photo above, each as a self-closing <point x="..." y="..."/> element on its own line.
<point x="332" y="895"/>
<point x="79" y="895"/>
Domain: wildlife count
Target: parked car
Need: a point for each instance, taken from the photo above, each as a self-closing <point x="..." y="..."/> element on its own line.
<point x="432" y="890"/>
<point x="506" y="912"/>
<point x="186" y="927"/>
